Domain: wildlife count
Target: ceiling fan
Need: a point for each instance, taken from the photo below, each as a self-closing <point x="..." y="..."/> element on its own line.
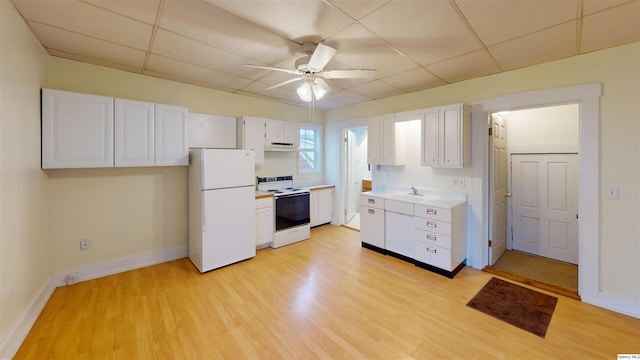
<point x="310" y="68"/>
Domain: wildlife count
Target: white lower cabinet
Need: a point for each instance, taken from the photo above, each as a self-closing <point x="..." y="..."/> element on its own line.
<point x="321" y="203"/>
<point x="372" y="221"/>
<point x="440" y="236"/>
<point x="433" y="237"/>
<point x="264" y="222"/>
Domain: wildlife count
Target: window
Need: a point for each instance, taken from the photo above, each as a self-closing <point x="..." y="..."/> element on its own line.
<point x="310" y="149"/>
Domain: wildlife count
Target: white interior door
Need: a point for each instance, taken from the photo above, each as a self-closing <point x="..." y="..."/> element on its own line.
<point x="545" y="205"/>
<point x="498" y="185"/>
<point x="352" y="181"/>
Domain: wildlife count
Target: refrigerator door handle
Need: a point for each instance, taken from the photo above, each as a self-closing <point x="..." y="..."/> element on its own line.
<point x="204" y="215"/>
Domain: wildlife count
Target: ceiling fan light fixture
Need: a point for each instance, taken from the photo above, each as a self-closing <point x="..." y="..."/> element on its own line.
<point x="318" y="91"/>
<point x="305" y="92"/>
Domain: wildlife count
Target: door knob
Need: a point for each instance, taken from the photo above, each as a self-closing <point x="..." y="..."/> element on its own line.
<point x="507" y="194"/>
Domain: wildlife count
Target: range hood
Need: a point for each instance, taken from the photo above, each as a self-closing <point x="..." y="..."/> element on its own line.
<point x="280" y="146"/>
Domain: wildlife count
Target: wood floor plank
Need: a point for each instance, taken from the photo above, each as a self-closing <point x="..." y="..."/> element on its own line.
<point x="326" y="297"/>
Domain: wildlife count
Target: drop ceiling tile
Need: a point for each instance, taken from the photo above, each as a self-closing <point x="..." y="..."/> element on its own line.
<point x="208" y="24"/>
<point x="497" y="20"/>
<point x="89" y="60"/>
<point x="180" y="71"/>
<point x="83" y="18"/>
<point x="299" y="21"/>
<point x="616" y="26"/>
<point x="591" y="6"/>
<point x="358" y="48"/>
<point x="547" y="45"/>
<point x="425" y="31"/>
<point x="141" y="10"/>
<point x="348" y="97"/>
<point x="414" y="80"/>
<point x="376" y="89"/>
<point x="260" y="88"/>
<point x="192" y="52"/>
<point x="68" y="42"/>
<point x="475" y="64"/>
<point x="358" y="9"/>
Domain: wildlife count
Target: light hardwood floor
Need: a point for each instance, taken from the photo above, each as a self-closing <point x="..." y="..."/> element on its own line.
<point x="322" y="298"/>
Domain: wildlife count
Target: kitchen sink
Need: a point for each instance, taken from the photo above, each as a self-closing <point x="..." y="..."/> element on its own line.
<point x="419" y="198"/>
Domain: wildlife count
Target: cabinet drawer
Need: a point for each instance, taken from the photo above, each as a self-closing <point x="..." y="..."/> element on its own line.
<point x="431" y="238"/>
<point x="263" y="203"/>
<point x="433" y="212"/>
<point x="372" y="201"/>
<point x="433" y="255"/>
<point x="433" y="226"/>
<point x="372" y="226"/>
<point x="400" y="207"/>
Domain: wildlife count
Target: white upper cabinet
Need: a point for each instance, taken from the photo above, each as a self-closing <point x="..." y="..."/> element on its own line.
<point x="77" y="130"/>
<point x="134" y="133"/>
<point x="171" y="135"/>
<point x="446" y="133"/>
<point x="281" y="132"/>
<point x="251" y="135"/>
<point x="385" y="145"/>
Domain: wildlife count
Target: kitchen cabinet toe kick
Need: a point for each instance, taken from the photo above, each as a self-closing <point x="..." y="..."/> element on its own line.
<point x="450" y="274"/>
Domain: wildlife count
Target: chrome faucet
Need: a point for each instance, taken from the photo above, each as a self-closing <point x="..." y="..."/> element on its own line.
<point x="415" y="191"/>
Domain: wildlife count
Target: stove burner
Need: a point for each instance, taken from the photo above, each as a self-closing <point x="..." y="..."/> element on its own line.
<point x="275" y="191"/>
<point x="293" y="189"/>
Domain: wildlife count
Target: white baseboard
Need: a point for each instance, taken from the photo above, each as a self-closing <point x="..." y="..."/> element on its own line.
<point x="616" y="304"/>
<point x="123" y="264"/>
<point x="11" y="343"/>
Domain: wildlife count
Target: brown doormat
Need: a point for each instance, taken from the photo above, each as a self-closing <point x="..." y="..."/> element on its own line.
<point x="527" y="309"/>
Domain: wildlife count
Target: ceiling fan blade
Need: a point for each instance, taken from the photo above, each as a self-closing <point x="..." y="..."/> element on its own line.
<point x="323" y="84"/>
<point x="292" y="72"/>
<point x="285" y="82"/>
<point x="349" y="74"/>
<point x="321" y="56"/>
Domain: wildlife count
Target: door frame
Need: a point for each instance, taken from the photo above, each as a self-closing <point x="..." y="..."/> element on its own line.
<point x="340" y="189"/>
<point x="588" y="99"/>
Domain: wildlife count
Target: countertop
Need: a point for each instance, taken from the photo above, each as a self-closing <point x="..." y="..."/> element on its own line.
<point x="266" y="194"/>
<point x="431" y="200"/>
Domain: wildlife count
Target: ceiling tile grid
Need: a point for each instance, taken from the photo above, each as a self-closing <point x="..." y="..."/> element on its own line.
<point x="412" y="44"/>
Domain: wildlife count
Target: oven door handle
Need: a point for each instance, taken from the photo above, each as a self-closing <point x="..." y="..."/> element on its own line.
<point x="292" y="195"/>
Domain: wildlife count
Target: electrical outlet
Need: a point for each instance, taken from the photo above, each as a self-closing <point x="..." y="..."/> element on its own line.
<point x="71" y="278"/>
<point x="85" y="244"/>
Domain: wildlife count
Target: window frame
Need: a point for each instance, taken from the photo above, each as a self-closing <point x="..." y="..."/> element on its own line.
<point x="317" y="129"/>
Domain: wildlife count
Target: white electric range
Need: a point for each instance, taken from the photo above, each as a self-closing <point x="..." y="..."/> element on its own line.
<point x="292" y="214"/>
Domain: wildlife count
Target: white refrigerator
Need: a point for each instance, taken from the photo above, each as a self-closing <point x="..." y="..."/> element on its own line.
<point x="222" y="216"/>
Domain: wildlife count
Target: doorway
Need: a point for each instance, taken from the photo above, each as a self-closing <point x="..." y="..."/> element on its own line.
<point x="355" y="171"/>
<point x="533" y="202"/>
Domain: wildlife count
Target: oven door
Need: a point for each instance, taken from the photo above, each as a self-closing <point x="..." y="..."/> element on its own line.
<point x="292" y="210"/>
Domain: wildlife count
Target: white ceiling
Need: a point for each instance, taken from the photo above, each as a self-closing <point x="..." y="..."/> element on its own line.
<point x="413" y="44"/>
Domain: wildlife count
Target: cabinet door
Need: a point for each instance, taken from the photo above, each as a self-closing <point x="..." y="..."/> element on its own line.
<point x="392" y="146"/>
<point x="77" y="130"/>
<point x="372" y="226"/>
<point x="134" y="133"/>
<point x="325" y="206"/>
<point x="264" y="222"/>
<point x="274" y="130"/>
<point x="399" y="233"/>
<point x="430" y="138"/>
<point x="252" y="135"/>
<point x="450" y="125"/>
<point x="374" y="138"/>
<point x="291" y="133"/>
<point x="171" y="135"/>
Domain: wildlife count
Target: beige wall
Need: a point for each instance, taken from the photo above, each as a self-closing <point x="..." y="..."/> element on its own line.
<point x="24" y="192"/>
<point x="618" y="70"/>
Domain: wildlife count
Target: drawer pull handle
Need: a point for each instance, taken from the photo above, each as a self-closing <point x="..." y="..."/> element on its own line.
<point x="371" y="201"/>
<point x="432" y="224"/>
<point x="432" y="237"/>
<point x="371" y="211"/>
<point x="432" y="212"/>
<point x="431" y="250"/>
